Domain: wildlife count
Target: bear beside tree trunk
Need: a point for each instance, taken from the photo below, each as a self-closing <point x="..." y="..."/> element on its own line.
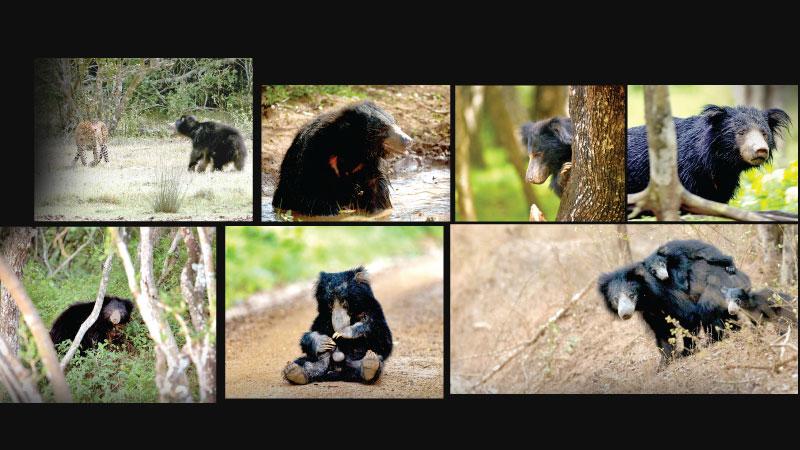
<point x="592" y="194"/>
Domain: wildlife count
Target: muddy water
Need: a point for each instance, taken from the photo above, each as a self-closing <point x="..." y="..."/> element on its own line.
<point x="417" y="196"/>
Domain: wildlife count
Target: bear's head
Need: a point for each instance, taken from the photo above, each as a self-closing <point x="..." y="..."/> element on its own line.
<point x="117" y="311"/>
<point x="549" y="145"/>
<point x="622" y="289"/>
<point x="367" y="122"/>
<point x="350" y="289"/>
<point x="185" y="125"/>
<point x="748" y="131"/>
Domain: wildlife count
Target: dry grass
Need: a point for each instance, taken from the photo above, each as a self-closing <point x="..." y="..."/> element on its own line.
<point x="507" y="281"/>
<point x="125" y="188"/>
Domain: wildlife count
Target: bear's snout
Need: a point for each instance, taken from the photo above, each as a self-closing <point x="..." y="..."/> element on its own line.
<point x="754" y="149"/>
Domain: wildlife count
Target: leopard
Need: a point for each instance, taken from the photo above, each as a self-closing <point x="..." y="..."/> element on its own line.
<point x="91" y="135"/>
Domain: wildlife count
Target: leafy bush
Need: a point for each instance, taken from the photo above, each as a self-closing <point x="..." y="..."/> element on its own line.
<point x="768" y="189"/>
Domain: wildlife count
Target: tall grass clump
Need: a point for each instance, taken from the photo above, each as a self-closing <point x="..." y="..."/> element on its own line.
<point x="170" y="190"/>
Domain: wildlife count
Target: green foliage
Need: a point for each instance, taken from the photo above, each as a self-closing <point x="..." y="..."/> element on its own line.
<point x="106" y="374"/>
<point x="498" y="190"/>
<point x="258" y="258"/>
<point x="768" y="189"/>
<point x="272" y="94"/>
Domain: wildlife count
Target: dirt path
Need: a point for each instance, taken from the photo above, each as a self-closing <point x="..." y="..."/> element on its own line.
<point x="258" y="345"/>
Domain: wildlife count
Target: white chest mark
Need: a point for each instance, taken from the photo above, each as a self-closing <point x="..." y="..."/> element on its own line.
<point x="339" y="316"/>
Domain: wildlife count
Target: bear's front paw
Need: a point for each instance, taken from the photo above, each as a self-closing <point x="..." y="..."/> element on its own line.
<point x="730" y="269"/>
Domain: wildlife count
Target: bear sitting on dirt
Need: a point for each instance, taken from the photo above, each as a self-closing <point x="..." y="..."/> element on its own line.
<point x="349" y="340"/>
<point x="714" y="148"/>
<point x="549" y="145"/>
<point x="334" y="162"/>
<point x="115" y="314"/>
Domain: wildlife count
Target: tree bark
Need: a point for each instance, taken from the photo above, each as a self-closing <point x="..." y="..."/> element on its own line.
<point x="789" y="255"/>
<point x="595" y="191"/>
<point x="15" y="244"/>
<point x="473" y="96"/>
<point x="624" y="244"/>
<point x="770" y="238"/>
<point x="505" y="114"/>
<point x="663" y="192"/>
<point x="549" y="101"/>
<point x="465" y="206"/>
<point x="171" y="364"/>
<point x="41" y="336"/>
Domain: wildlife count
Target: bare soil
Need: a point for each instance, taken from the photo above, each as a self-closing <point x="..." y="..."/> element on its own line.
<point x="508" y="281"/>
<point x="258" y="345"/>
<point x="423" y="112"/>
<point x="123" y="188"/>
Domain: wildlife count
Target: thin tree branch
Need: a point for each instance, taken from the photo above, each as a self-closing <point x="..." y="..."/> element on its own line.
<point x="40" y="334"/>
<point x="98" y="306"/>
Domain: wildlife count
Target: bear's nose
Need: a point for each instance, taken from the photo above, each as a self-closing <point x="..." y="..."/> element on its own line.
<point x="406" y="139"/>
<point x="762" y="152"/>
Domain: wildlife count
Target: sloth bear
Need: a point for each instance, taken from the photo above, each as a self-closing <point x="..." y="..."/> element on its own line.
<point x="701" y="308"/>
<point x="674" y="259"/>
<point x="334" y="162"/>
<point x="212" y="141"/>
<point x="762" y="303"/>
<point x="349" y="340"/>
<point x="115" y="314"/>
<point x="549" y="144"/>
<point x="714" y="148"/>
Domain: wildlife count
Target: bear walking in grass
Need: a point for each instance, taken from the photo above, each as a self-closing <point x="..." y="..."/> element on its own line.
<point x="714" y="148"/>
<point x="334" y="162"/>
<point x="115" y="314"/>
<point x="212" y="141"/>
<point x="349" y="339"/>
<point x="549" y="145"/>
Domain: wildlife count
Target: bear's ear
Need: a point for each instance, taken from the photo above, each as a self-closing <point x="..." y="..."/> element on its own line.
<point x="560" y="129"/>
<point x="778" y="120"/>
<point x="360" y="275"/>
<point x="713" y="113"/>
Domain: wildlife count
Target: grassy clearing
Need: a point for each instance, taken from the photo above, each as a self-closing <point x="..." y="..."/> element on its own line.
<point x="124" y="189"/>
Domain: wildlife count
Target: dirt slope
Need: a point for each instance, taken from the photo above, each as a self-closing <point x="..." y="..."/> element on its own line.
<point x="534" y="273"/>
<point x="258" y="345"/>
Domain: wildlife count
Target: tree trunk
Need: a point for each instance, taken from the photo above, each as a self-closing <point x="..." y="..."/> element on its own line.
<point x="771" y="240"/>
<point x="624" y="244"/>
<point x="549" y="101"/>
<point x="789" y="255"/>
<point x="473" y="96"/>
<point x="505" y="114"/>
<point x="595" y="191"/>
<point x="465" y="207"/>
<point x="15" y="244"/>
<point x="663" y="193"/>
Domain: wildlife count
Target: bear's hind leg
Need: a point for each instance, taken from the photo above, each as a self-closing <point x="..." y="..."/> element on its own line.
<point x="368" y="369"/>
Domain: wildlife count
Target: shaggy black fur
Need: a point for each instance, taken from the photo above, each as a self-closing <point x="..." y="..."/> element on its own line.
<point x="116" y="313"/>
<point x="712" y="149"/>
<point x="674" y="260"/>
<point x="349" y="325"/>
<point x="549" y="145"/>
<point x="334" y="162"/>
<point x="212" y="141"/>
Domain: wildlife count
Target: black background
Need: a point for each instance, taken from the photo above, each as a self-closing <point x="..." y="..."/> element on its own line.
<point x="394" y="43"/>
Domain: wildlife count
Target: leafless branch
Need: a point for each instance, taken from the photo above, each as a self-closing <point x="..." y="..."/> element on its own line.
<point x="98" y="306"/>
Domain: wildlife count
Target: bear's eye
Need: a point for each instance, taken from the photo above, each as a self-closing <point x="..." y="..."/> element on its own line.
<point x="740" y="132"/>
